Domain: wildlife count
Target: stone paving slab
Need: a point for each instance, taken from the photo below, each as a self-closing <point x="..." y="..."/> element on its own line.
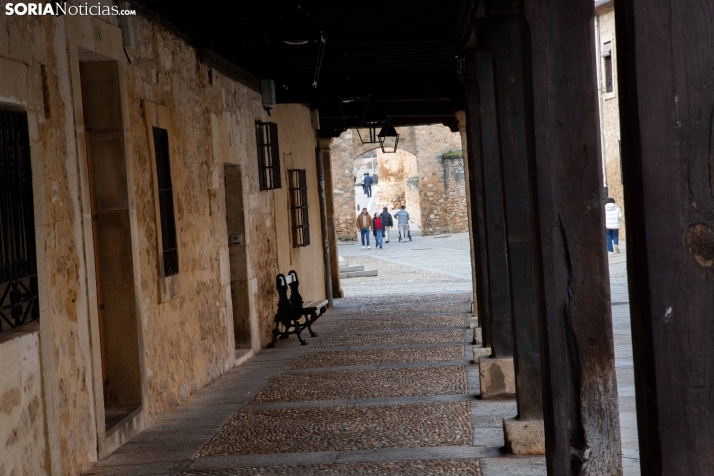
<point x="343" y="428"/>
<point x="398" y="323"/>
<point x="345" y="358"/>
<point x="402" y="299"/>
<point x="425" y="337"/>
<point x="397" y="468"/>
<point x="412" y="309"/>
<point x="354" y="384"/>
<point x="514" y="466"/>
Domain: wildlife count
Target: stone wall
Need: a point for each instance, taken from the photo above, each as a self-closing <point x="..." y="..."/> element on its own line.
<point x="186" y="336"/>
<point x="432" y="142"/>
<point x="610" y="113"/>
<point x="391" y="179"/>
<point x="411" y="188"/>
<point x="297" y="147"/>
<point x="23" y="446"/>
<point x="455" y="193"/>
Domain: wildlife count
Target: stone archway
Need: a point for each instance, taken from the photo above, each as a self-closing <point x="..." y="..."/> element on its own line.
<point x="426" y="173"/>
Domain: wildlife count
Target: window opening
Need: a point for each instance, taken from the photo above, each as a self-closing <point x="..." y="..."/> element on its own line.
<point x="18" y="255"/>
<point x="166" y="202"/>
<point x="298" y="208"/>
<point x="607" y="57"/>
<point x="268" y="155"/>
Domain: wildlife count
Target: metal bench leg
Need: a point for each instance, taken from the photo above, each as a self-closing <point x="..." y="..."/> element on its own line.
<point x="276" y="332"/>
<point x="302" y="341"/>
<point x="310" y="320"/>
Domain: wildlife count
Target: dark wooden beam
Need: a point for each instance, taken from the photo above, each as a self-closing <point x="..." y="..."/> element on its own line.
<point x="478" y="215"/>
<point x="666" y="95"/>
<point x="578" y="363"/>
<point x="500" y="332"/>
<point x="518" y="171"/>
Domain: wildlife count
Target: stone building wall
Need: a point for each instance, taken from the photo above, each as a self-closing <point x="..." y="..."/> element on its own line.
<point x="432" y="142"/>
<point x="455" y="193"/>
<point x="185" y="334"/>
<point x="610" y="112"/>
<point x="391" y="179"/>
<point x="411" y="188"/>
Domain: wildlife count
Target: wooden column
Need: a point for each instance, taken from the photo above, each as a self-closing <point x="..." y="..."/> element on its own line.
<point x="478" y="216"/>
<point x="518" y="168"/>
<point x="478" y="220"/>
<point x="331" y="235"/>
<point x="666" y="95"/>
<point x="470" y="203"/>
<point x="578" y="362"/>
<point x="480" y="65"/>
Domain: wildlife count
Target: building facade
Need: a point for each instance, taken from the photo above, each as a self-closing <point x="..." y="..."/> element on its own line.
<point x="609" y="107"/>
<point x="157" y="218"/>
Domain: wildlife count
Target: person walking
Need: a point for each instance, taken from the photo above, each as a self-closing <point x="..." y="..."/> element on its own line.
<point x="368" y="184"/>
<point x="387" y="224"/>
<point x="377" y="230"/>
<point x="613" y="216"/>
<point x="364" y="223"/>
<point x="402" y="217"/>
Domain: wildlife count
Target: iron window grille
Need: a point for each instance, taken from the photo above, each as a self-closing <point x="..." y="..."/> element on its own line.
<point x="166" y="202"/>
<point x="268" y="155"/>
<point x="298" y="208"/>
<point x="18" y="256"/>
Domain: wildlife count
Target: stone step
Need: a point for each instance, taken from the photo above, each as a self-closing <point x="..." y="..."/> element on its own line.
<point x="358" y="274"/>
<point x="349" y="269"/>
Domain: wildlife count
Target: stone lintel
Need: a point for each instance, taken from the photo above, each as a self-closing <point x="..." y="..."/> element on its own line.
<point x="524" y="437"/>
<point x="497" y="377"/>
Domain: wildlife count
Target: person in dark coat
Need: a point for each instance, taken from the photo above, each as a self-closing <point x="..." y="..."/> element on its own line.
<point x="387" y="224"/>
<point x="368" y="184"/>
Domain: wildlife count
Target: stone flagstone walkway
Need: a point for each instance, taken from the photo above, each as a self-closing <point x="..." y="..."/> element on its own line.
<point x="389" y="387"/>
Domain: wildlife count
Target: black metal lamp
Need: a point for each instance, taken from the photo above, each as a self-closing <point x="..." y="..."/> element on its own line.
<point x="371" y="136"/>
<point x="388" y="139"/>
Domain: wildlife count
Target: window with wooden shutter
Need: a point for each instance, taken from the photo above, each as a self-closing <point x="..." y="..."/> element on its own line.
<point x="298" y="208"/>
<point x="169" y="244"/>
<point x="268" y="155"/>
<point x="18" y="255"/>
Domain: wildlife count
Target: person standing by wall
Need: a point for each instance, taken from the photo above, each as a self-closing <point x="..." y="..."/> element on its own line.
<point x="402" y="217"/>
<point x="368" y="184"/>
<point x="364" y="224"/>
<point x="613" y="216"/>
<point x="377" y="230"/>
<point x="387" y="223"/>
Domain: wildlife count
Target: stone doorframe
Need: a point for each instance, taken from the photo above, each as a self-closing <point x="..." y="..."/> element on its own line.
<point x="91" y="39"/>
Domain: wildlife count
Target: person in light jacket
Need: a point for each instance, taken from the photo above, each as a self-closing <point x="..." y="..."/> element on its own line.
<point x="613" y="216"/>
<point x="402" y="217"/>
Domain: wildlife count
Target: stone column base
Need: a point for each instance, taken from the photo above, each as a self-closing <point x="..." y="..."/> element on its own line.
<point x="481" y="352"/>
<point x="497" y="375"/>
<point x="524" y="437"/>
<point x="478" y="337"/>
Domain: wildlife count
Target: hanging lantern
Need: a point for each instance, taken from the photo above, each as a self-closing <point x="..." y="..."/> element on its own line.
<point x="370" y="135"/>
<point x="388" y="139"/>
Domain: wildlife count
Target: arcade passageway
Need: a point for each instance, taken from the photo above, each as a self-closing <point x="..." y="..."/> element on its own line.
<point x="166" y="167"/>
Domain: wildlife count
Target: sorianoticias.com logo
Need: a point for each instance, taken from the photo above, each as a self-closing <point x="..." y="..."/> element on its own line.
<point x="63" y="8"/>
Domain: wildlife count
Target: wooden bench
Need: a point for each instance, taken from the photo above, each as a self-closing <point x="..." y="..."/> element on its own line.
<point x="294" y="315"/>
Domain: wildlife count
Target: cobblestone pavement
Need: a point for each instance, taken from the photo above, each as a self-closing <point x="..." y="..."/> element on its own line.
<point x="388" y="388"/>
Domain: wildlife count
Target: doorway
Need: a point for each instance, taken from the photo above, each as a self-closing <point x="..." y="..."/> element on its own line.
<point x="111" y="231"/>
<point x="235" y="223"/>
